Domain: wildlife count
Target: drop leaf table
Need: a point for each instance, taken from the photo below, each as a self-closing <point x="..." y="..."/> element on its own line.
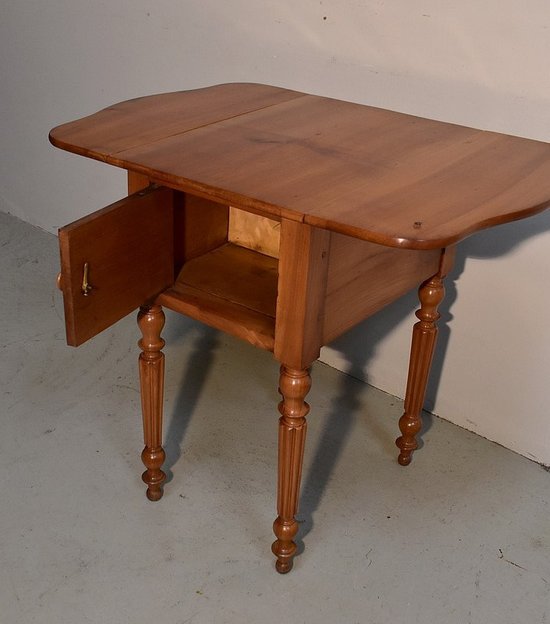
<point x="284" y="219"/>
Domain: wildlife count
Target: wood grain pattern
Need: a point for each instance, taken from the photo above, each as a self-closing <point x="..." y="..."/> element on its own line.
<point x="232" y="318"/>
<point x="144" y="120"/>
<point x="230" y="288"/>
<point x="254" y="232"/>
<point x="236" y="274"/>
<point x="431" y="294"/>
<point x="364" y="277"/>
<point x="200" y="225"/>
<point x="303" y="267"/>
<point x="128" y="249"/>
<point x="374" y="174"/>
<point x="151" y="375"/>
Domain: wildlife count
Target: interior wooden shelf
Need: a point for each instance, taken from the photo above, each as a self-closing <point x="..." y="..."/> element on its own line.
<point x="230" y="288"/>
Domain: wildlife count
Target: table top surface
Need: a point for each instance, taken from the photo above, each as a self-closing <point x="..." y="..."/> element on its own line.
<point x="374" y="174"/>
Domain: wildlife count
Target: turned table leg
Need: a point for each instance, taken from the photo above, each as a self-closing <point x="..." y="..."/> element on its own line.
<point x="293" y="385"/>
<point x="431" y="294"/>
<point x="151" y="375"/>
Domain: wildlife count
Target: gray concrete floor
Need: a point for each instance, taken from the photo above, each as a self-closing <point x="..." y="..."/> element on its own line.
<point x="460" y="536"/>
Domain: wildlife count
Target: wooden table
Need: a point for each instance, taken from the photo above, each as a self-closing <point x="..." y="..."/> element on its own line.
<point x="284" y="219"/>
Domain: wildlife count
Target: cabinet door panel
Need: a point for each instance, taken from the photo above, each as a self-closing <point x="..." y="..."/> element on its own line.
<point x="123" y="253"/>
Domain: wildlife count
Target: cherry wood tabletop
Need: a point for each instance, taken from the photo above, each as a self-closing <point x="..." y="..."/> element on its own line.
<point x="374" y="174"/>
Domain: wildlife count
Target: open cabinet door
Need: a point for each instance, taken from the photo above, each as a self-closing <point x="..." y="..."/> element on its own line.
<point x="114" y="260"/>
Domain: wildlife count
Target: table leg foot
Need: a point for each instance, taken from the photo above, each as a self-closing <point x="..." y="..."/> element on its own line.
<point x="284" y="548"/>
<point x="151" y="375"/>
<point x="154" y="477"/>
<point x="431" y="294"/>
<point x="293" y="385"/>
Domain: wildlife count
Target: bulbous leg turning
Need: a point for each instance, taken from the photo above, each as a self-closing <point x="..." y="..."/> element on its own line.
<point x="154" y="477"/>
<point x="284" y="548"/>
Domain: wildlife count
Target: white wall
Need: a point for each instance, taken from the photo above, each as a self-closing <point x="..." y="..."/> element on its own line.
<point x="483" y="64"/>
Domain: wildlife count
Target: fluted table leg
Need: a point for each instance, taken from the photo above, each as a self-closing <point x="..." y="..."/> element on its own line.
<point x="151" y="374"/>
<point x="293" y="386"/>
<point x="431" y="294"/>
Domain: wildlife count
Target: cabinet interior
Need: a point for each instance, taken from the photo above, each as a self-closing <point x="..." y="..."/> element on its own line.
<point x="226" y="268"/>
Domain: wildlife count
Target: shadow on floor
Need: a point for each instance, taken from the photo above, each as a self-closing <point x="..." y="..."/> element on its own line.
<point x="189" y="391"/>
<point x="358" y="347"/>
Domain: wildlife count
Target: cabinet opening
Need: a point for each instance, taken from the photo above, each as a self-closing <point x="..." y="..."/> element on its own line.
<point x="226" y="268"/>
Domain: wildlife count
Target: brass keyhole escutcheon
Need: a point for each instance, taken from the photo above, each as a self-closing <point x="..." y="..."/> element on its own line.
<point x="86" y="288"/>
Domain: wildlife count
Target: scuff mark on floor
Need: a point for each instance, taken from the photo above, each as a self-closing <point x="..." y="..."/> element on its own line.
<point x="501" y="556"/>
